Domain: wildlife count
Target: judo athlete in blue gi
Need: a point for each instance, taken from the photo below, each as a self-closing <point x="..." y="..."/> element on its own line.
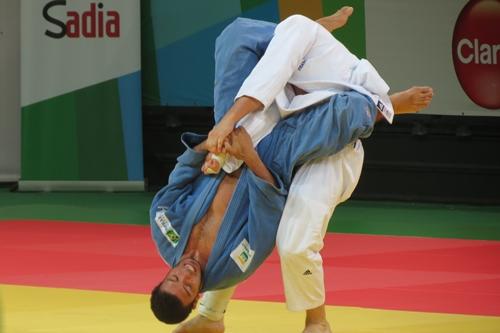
<point x="215" y="230"/>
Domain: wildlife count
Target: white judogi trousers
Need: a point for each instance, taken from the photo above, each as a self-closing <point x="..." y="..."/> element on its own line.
<point x="318" y="187"/>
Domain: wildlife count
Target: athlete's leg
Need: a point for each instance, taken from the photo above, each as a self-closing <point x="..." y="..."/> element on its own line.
<point x="310" y="205"/>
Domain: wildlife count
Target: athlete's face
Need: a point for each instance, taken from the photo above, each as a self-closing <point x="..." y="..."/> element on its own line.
<point x="184" y="281"/>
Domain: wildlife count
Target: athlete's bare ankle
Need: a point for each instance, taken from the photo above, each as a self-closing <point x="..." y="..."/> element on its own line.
<point x="316" y="315"/>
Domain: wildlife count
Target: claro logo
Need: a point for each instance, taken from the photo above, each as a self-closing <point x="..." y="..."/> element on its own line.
<point x="96" y="22"/>
<point x="476" y="46"/>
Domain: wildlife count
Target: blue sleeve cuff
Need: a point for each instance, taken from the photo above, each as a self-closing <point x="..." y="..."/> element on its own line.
<point x="191" y="156"/>
<point x="190" y="140"/>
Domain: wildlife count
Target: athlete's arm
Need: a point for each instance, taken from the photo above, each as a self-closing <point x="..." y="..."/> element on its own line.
<point x="293" y="38"/>
<point x="201" y="147"/>
<point x="243" y="106"/>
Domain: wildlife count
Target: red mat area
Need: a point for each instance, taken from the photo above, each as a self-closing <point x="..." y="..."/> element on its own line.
<point x="404" y="273"/>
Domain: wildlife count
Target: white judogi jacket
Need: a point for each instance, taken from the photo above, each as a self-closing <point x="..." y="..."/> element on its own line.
<point x="304" y="54"/>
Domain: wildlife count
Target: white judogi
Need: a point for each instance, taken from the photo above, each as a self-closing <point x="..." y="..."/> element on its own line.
<point x="304" y="54"/>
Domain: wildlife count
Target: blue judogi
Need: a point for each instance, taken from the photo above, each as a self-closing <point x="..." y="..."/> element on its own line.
<point x="248" y="231"/>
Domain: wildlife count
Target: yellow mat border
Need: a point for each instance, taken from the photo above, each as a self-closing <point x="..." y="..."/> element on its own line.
<point x="37" y="309"/>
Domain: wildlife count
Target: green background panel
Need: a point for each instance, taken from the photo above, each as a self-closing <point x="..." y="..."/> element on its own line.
<point x="49" y="140"/>
<point x="417" y="219"/>
<point x="122" y="208"/>
<point x="75" y="136"/>
<point x="101" y="151"/>
<point x="174" y="20"/>
<point x="250" y="4"/>
<point x="353" y="34"/>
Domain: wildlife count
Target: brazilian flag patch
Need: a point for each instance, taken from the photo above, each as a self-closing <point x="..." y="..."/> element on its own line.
<point x="166" y="228"/>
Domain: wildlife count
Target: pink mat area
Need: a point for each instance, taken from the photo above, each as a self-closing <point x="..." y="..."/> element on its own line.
<point x="404" y="273"/>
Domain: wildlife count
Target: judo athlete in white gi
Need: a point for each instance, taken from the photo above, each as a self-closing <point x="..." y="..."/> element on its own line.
<point x="281" y="87"/>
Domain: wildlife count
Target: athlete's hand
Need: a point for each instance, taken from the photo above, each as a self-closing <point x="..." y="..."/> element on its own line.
<point x="217" y="136"/>
<point x="240" y="145"/>
<point x="211" y="165"/>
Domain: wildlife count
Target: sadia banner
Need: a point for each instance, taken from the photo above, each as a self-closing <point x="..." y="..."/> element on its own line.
<point x="81" y="95"/>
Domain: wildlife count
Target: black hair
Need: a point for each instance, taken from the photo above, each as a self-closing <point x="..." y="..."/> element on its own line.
<point x="167" y="307"/>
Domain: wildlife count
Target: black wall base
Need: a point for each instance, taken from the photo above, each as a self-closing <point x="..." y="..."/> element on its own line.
<point x="449" y="159"/>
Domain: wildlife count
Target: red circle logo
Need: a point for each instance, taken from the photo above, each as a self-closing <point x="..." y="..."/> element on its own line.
<point x="476" y="52"/>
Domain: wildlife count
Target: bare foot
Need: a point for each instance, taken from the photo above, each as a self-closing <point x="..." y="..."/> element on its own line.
<point x="200" y="324"/>
<point x="321" y="327"/>
<point x="336" y="20"/>
<point x="412" y="100"/>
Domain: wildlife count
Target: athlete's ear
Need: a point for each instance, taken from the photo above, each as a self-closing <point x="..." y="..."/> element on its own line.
<point x="196" y="301"/>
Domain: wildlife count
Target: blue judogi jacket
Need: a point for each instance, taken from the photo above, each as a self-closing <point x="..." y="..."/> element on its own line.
<point x="248" y="229"/>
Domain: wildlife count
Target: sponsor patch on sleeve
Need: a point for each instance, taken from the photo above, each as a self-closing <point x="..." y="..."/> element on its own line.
<point x="166" y="228"/>
<point x="386" y="112"/>
<point x="243" y="255"/>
